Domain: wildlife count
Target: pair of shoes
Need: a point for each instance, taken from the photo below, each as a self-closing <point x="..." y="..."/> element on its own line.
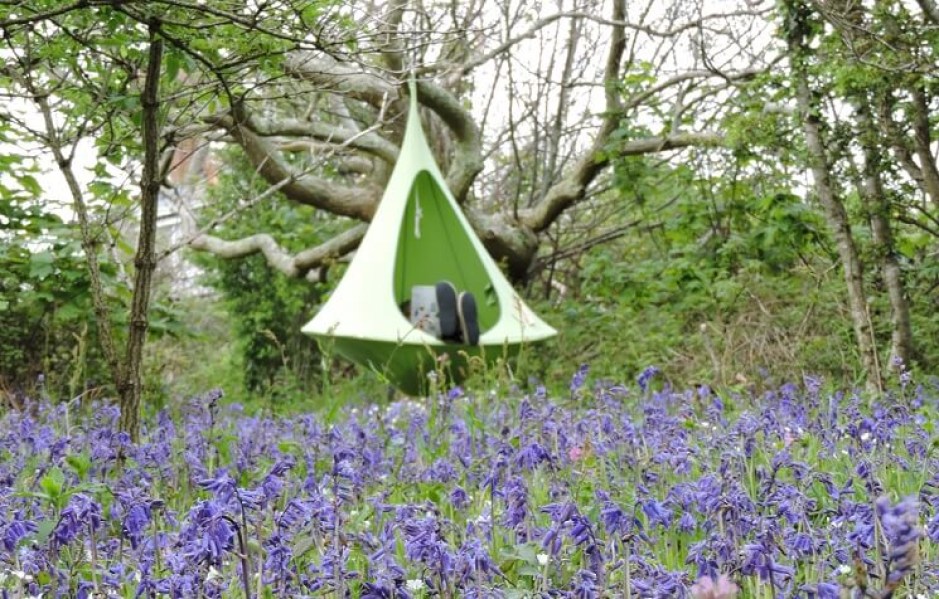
<point x="459" y="320"/>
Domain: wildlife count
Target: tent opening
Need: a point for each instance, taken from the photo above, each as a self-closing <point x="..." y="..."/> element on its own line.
<point x="433" y="246"/>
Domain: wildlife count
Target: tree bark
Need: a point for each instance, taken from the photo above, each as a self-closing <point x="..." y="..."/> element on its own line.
<point x="144" y="261"/>
<point x="835" y="213"/>
<point x="922" y="142"/>
<point x="930" y="10"/>
<point x="88" y="240"/>
<point x="878" y="209"/>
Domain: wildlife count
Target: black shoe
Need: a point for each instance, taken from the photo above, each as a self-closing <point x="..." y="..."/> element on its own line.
<point x="447" y="310"/>
<point x="469" y="318"/>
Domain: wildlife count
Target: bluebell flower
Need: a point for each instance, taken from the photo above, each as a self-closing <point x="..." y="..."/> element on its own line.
<point x="459" y="498"/>
<point x="81" y="514"/>
<point x="222" y="485"/>
<point x="532" y="455"/>
<point x="657" y="513"/>
<point x="584" y="585"/>
<point x="278" y="566"/>
<point x="579" y="378"/>
<point x="822" y="590"/>
<point x="645" y="376"/>
<point x="17" y="529"/>
<point x="516" y="502"/>
<point x="441" y="471"/>
<point x="474" y="563"/>
<point x="212" y="536"/>
<point x="902" y="531"/>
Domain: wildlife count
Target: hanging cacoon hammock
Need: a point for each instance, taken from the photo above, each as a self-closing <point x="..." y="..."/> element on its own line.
<point x="419" y="236"/>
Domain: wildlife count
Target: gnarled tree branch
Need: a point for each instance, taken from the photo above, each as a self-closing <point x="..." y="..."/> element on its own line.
<point x="356" y="202"/>
<point x="292" y="265"/>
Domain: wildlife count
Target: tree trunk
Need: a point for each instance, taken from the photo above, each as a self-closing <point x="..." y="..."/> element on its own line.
<point x="922" y="142"/>
<point x="88" y="239"/>
<point x="878" y="210"/>
<point x="144" y="260"/>
<point x="835" y="212"/>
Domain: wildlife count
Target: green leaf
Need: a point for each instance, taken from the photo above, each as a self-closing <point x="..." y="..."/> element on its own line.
<point x="81" y="463"/>
<point x="29" y="183"/>
<point x="53" y="483"/>
<point x="41" y="265"/>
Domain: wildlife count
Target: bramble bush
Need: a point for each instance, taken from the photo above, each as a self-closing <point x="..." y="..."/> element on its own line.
<point x="605" y="490"/>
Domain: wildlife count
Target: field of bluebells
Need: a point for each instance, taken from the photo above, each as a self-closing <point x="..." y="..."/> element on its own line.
<point x="606" y="490"/>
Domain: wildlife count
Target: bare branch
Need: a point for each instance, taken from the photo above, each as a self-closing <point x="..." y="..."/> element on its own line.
<point x="49" y="14"/>
<point x="930" y="10"/>
<point x="572" y="188"/>
<point x="467" y="159"/>
<point x="353" y="82"/>
<point x="292" y="265"/>
<point x="356" y="202"/>
<point x="370" y="142"/>
<point x="617" y="23"/>
<point x="341" y="78"/>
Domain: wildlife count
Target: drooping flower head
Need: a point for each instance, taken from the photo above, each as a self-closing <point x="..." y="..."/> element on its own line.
<point x="902" y="531"/>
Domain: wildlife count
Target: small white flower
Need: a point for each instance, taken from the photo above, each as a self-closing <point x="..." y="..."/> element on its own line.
<point x="213" y="574"/>
<point x="844" y="569"/>
<point x="415" y="584"/>
<point x="542" y="559"/>
<point x="865" y="436"/>
<point x="22" y="575"/>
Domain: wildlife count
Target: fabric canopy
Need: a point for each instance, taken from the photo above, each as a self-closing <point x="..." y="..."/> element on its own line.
<point x="419" y="236"/>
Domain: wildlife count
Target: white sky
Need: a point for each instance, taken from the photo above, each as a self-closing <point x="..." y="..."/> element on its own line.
<point x="529" y="55"/>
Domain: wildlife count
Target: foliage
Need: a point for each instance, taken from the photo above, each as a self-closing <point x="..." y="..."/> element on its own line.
<point x="267" y="309"/>
<point x="718" y="278"/>
<point x="44" y="302"/>
<point x="603" y="490"/>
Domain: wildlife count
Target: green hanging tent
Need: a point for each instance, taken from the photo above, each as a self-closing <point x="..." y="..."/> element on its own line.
<point x="419" y="236"/>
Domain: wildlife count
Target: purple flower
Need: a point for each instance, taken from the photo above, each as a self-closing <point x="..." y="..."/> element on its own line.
<point x="441" y="471"/>
<point x="645" y="376"/>
<point x="822" y="590"/>
<point x="277" y="566"/>
<point x="579" y="378"/>
<point x="584" y="585"/>
<point x="473" y="562"/>
<point x="657" y="513"/>
<point x="222" y="485"/>
<point x="902" y="531"/>
<point x="516" y="502"/>
<point x="19" y="528"/>
<point x="530" y="456"/>
<point x="459" y="498"/>
<point x="211" y="534"/>
<point x="82" y="514"/>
